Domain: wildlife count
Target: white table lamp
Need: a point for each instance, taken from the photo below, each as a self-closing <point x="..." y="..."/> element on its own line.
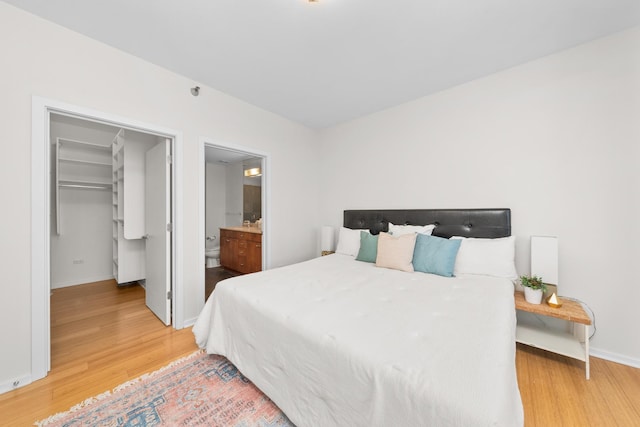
<point x="327" y="239"/>
<point x="544" y="263"/>
<point x="544" y="258"/>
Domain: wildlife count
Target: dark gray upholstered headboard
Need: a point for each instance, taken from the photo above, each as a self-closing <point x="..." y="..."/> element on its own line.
<point x="486" y="223"/>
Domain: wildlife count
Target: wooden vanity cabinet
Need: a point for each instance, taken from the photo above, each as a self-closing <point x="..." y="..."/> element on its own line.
<point x="241" y="251"/>
<point x="228" y="250"/>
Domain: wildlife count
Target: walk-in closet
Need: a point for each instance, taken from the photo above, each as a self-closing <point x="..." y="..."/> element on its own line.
<point x="100" y="221"/>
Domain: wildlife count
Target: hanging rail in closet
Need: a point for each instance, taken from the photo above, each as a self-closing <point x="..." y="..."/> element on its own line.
<point x="80" y="165"/>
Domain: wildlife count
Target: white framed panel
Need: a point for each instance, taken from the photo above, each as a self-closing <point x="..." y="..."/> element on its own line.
<point x="266" y="206"/>
<point x="40" y="222"/>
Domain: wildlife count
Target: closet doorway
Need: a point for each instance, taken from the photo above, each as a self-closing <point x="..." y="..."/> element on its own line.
<point x="111" y="210"/>
<point x="104" y="206"/>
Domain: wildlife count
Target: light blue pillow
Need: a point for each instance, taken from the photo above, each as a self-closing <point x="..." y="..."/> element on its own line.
<point x="368" y="247"/>
<point x="435" y="255"/>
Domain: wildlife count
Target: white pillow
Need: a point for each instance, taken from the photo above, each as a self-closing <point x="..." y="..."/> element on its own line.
<point x="399" y="230"/>
<point x="349" y="241"/>
<point x="489" y="257"/>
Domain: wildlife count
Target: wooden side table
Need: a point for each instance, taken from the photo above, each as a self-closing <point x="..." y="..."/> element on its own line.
<point x="559" y="342"/>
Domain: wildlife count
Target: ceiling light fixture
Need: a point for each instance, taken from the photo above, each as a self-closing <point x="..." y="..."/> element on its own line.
<point x="253" y="172"/>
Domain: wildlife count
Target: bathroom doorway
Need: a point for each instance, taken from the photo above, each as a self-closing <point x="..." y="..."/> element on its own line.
<point x="233" y="213"/>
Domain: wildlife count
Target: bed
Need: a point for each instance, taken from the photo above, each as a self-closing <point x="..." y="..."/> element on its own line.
<point x="338" y="342"/>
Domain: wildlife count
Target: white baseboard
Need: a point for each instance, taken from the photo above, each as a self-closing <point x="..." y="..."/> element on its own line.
<point x="81" y="281"/>
<point x="190" y="322"/>
<point x="15" y="384"/>
<point x="615" y="357"/>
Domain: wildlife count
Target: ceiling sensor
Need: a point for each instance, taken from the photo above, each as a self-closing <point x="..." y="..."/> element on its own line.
<point x="195" y="91"/>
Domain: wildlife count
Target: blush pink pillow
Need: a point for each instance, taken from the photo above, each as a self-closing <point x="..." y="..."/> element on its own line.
<point x="396" y="252"/>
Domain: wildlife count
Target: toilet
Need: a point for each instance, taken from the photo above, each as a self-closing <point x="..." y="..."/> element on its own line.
<point x="212" y="257"/>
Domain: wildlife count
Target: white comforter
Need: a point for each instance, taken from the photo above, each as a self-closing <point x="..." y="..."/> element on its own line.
<point x="338" y="342"/>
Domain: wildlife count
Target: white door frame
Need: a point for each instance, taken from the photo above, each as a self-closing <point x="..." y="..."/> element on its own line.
<point x="266" y="203"/>
<point x="40" y="218"/>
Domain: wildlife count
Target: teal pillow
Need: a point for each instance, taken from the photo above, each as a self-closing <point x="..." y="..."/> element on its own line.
<point x="368" y="247"/>
<point x="435" y="255"/>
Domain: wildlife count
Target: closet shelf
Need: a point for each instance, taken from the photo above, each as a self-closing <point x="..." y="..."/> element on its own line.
<point x="103" y="183"/>
<point x="84" y="187"/>
<point x="84" y="162"/>
<point x="85" y="144"/>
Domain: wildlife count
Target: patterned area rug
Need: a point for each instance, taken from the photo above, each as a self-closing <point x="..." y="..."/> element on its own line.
<point x="198" y="390"/>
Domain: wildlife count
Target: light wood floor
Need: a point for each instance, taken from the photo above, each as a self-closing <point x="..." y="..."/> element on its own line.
<point x="555" y="392"/>
<point x="103" y="336"/>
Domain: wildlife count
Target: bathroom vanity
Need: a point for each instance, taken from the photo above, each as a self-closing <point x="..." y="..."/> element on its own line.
<point x="241" y="249"/>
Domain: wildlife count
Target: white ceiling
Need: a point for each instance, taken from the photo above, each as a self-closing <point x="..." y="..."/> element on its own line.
<point x="324" y="63"/>
<point x="224" y="156"/>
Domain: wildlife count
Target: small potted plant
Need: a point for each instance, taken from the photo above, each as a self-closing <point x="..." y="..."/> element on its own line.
<point x="533" y="288"/>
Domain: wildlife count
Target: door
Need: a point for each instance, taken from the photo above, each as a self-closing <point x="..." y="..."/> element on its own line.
<point x="254" y="254"/>
<point x="157" y="226"/>
<point x="228" y="251"/>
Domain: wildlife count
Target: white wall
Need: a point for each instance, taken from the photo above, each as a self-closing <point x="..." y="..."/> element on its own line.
<point x="215" y="199"/>
<point x="43" y="59"/>
<point x="556" y="140"/>
<point x="85" y="216"/>
<point x="82" y="253"/>
<point x="234" y="196"/>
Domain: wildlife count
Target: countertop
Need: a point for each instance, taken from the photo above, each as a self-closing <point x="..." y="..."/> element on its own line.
<point x="252" y="229"/>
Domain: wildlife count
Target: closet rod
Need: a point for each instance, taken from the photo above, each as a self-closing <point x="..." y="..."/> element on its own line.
<point x="89" y="187"/>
